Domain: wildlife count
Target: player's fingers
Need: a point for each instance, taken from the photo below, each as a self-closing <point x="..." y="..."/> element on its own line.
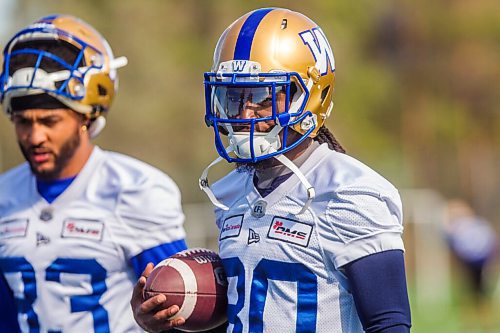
<point x="166" y="314"/>
<point x="158" y="323"/>
<point x="153" y="304"/>
<point x="162" y="319"/>
<point x="147" y="270"/>
<point x="178" y="322"/>
<point x="137" y="297"/>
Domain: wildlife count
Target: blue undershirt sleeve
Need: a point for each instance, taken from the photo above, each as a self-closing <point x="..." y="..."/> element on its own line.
<point x="156" y="254"/>
<point x="378" y="285"/>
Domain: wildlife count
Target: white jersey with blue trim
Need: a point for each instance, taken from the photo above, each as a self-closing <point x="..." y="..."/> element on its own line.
<point x="285" y="270"/>
<point x="69" y="262"/>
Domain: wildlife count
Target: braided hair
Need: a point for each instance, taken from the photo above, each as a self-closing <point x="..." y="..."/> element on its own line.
<point x="325" y="136"/>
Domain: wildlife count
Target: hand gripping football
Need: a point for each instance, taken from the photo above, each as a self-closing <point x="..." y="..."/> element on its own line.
<point x="194" y="280"/>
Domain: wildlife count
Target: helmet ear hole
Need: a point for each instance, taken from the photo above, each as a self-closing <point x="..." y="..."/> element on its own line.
<point x="324" y="93"/>
<point x="293" y="90"/>
<point x="102" y="90"/>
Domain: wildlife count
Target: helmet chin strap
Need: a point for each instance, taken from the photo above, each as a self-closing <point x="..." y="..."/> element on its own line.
<point x="97" y="126"/>
<point x="204" y="184"/>
<point x="311" y="193"/>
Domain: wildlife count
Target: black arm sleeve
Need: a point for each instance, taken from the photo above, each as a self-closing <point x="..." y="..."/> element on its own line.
<point x="378" y="285"/>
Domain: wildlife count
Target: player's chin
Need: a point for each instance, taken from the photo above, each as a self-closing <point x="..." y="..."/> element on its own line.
<point x="45" y="170"/>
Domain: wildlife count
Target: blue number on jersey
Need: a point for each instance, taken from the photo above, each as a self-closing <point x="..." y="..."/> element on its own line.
<point x="234" y="267"/>
<point x="53" y="273"/>
<point x="21" y="265"/>
<point x="307" y="292"/>
<point x="84" y="302"/>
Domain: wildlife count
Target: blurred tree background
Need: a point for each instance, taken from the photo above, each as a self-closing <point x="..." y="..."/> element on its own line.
<point x="416" y="98"/>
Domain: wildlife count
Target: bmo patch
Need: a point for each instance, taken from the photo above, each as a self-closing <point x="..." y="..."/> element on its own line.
<point x="87" y="229"/>
<point x="290" y="231"/>
<point x="13" y="228"/>
<point x="231" y="227"/>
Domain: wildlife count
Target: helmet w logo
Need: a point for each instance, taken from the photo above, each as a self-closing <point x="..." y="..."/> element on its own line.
<point x="321" y="50"/>
<point x="239" y="65"/>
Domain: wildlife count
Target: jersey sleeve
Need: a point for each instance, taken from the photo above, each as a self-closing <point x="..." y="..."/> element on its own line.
<point x="360" y="222"/>
<point x="152" y="218"/>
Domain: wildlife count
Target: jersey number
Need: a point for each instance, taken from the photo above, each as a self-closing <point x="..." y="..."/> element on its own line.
<point x="78" y="303"/>
<point x="307" y="292"/>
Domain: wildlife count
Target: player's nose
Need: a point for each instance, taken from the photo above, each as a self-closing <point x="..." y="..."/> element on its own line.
<point x="248" y="111"/>
<point x="36" y="134"/>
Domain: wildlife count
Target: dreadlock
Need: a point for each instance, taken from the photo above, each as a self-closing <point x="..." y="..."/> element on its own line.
<point x="325" y="136"/>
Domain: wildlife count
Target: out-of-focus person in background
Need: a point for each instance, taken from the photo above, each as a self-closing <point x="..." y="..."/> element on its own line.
<point x="473" y="242"/>
<point x="77" y="224"/>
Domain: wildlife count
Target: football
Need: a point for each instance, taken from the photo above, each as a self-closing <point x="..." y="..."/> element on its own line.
<point x="194" y="280"/>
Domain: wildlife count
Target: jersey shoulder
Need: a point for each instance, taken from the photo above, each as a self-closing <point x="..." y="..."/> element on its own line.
<point x="148" y="203"/>
<point x="354" y="191"/>
<point x="14" y="176"/>
<point x="140" y="191"/>
<point x="129" y="171"/>
<point x="337" y="173"/>
<point x="363" y="213"/>
<point x="10" y="182"/>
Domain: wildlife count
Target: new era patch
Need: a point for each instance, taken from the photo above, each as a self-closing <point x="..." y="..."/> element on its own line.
<point x="253" y="237"/>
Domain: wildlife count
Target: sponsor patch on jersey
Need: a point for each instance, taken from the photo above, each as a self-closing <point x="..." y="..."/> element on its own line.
<point x="13" y="228"/>
<point x="231" y="227"/>
<point x="290" y="231"/>
<point x="88" y="229"/>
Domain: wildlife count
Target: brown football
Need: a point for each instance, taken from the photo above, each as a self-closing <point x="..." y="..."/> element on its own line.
<point x="194" y="280"/>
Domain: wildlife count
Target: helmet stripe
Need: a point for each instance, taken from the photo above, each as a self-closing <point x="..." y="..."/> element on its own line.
<point x="247" y="32"/>
<point x="48" y="18"/>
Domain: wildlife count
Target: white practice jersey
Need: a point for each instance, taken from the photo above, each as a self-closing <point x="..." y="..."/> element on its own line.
<point x="284" y="269"/>
<point x="68" y="263"/>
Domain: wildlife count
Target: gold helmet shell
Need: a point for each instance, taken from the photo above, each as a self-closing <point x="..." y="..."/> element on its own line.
<point x="87" y="85"/>
<point x="281" y="40"/>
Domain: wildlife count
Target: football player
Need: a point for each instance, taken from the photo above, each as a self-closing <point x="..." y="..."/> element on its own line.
<point x="310" y="237"/>
<point x="77" y="224"/>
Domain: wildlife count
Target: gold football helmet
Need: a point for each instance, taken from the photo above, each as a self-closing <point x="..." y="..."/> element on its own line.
<point x="265" y="57"/>
<point x="37" y="61"/>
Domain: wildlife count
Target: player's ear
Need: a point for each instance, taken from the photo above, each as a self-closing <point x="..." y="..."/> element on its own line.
<point x="84" y="122"/>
